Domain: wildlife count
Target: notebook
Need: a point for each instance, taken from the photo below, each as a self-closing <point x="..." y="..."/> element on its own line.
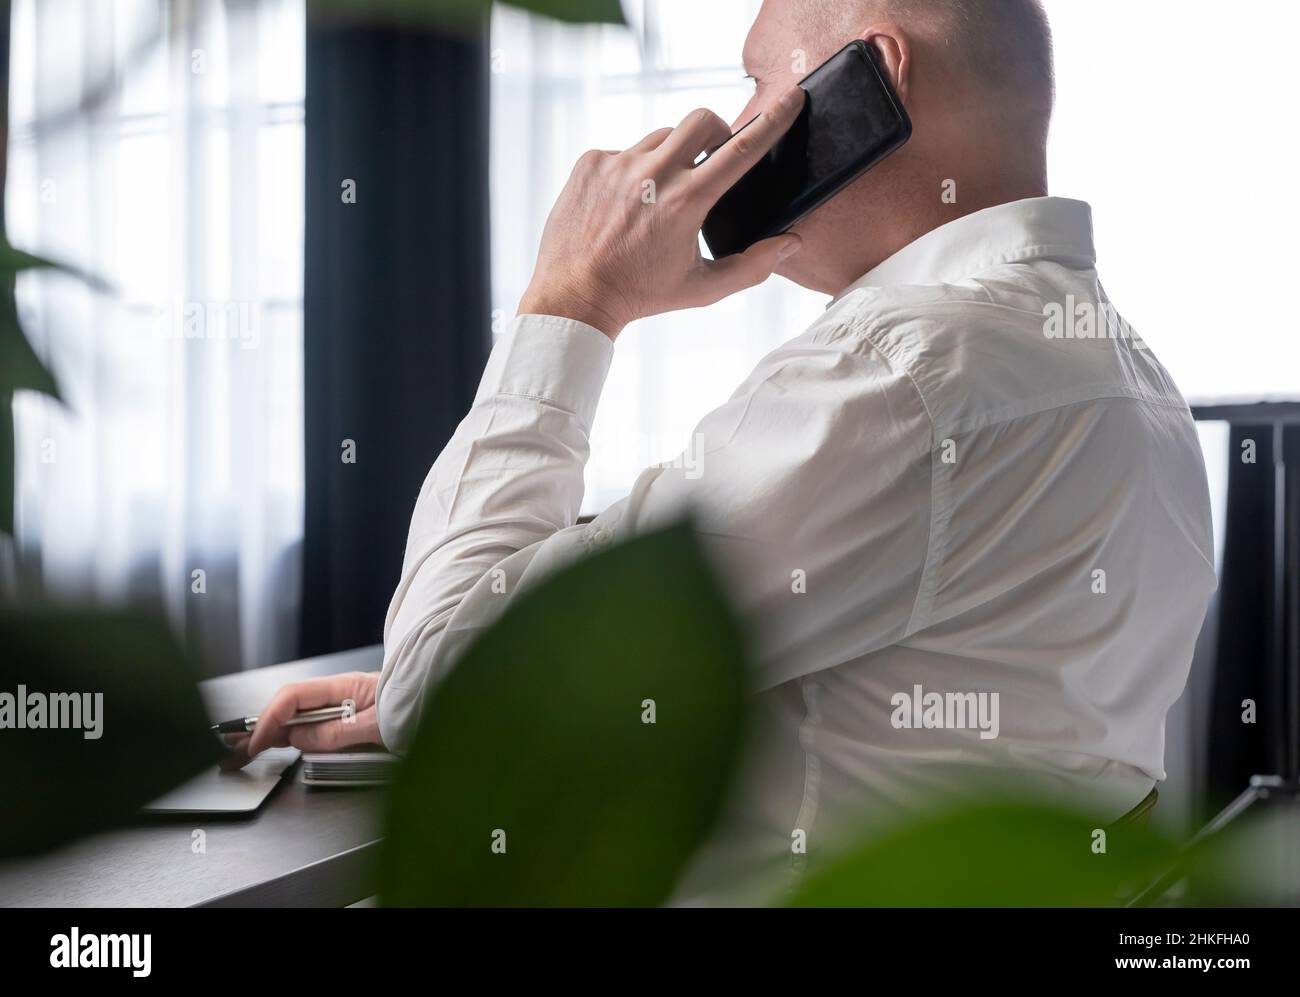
<point x="361" y="766"/>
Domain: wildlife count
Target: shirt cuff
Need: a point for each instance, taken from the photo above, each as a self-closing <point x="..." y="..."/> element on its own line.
<point x="556" y="360"/>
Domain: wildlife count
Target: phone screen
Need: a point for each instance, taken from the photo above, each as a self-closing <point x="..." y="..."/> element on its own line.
<point x="851" y="120"/>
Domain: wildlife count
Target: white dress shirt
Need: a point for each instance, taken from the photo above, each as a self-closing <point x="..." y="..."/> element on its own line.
<point x="953" y="482"/>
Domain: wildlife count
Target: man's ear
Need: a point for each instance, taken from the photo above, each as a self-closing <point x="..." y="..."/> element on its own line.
<point x="890" y="43"/>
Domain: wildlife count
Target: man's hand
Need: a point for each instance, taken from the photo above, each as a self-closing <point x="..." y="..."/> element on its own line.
<point x="622" y="241"/>
<point x="362" y="727"/>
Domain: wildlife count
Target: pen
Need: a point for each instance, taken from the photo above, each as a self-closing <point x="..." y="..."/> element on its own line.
<point x="242" y="725"/>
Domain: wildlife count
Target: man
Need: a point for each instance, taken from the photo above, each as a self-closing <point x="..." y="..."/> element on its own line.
<point x="984" y="487"/>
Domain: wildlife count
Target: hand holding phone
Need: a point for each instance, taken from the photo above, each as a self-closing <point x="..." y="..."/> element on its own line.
<point x="623" y="240"/>
<point x="851" y="120"/>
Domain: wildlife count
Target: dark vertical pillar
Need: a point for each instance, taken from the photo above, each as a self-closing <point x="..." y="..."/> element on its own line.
<point x="396" y="299"/>
<point x="1245" y="647"/>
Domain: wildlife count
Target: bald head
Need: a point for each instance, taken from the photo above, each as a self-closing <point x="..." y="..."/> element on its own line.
<point x="976" y="79"/>
<point x="994" y="51"/>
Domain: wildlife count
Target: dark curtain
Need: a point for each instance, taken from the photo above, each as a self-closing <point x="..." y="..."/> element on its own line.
<point x="1247" y="652"/>
<point x="396" y="309"/>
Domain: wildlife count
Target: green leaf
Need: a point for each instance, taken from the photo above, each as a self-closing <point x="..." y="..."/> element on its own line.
<point x="20" y="367"/>
<point x="417" y="13"/>
<point x="13" y="260"/>
<point x="583" y="11"/>
<point x="458" y="13"/>
<point x="57" y="784"/>
<point x="999" y="854"/>
<point x="538" y="733"/>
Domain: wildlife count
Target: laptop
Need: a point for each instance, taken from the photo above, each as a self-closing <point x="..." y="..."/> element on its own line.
<point x="238" y="792"/>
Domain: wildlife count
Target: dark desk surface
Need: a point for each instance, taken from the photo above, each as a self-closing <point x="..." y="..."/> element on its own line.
<point x="304" y="847"/>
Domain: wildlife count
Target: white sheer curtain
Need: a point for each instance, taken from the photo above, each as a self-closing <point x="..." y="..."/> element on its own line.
<point x="1179" y="159"/>
<point x="174" y="474"/>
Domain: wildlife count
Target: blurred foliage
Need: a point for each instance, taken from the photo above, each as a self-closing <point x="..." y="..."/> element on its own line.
<point x="20" y="368"/>
<point x="456" y="13"/>
<point x="1255" y="862"/>
<point x="1004" y="853"/>
<point x="57" y="784"/>
<point x="538" y="732"/>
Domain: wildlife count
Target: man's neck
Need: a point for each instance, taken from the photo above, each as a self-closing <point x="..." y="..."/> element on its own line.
<point x="889" y="235"/>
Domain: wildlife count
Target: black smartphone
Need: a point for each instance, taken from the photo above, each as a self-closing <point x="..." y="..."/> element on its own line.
<point x="851" y="120"/>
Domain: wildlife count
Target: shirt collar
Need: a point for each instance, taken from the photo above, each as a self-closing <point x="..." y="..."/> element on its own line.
<point x="1016" y="232"/>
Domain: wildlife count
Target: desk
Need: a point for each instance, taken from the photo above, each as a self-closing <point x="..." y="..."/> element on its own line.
<point x="304" y="847"/>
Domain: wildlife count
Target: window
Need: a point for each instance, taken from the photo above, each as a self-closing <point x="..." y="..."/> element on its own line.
<point x="1185" y="164"/>
<point x="165" y="156"/>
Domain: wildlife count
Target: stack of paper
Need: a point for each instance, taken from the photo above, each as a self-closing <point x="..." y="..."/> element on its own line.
<point x="363" y="766"/>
